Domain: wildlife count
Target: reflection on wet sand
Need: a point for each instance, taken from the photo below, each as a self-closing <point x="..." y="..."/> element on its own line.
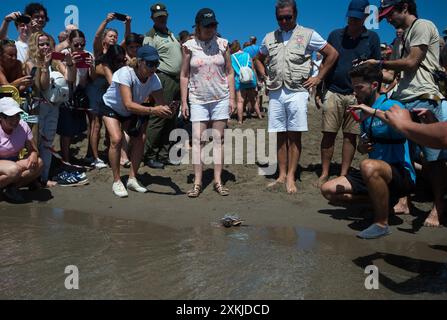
<point x="122" y="259"/>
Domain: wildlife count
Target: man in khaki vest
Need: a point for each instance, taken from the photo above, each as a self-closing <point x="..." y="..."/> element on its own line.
<point x="288" y="51"/>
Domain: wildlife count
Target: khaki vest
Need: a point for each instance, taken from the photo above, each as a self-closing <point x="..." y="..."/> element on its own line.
<point x="288" y="65"/>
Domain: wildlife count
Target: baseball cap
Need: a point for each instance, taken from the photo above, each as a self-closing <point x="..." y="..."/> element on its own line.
<point x="386" y="6"/>
<point x="9" y="107"/>
<point x="148" y="53"/>
<point x="205" y="17"/>
<point x="357" y="9"/>
<point x="158" y="10"/>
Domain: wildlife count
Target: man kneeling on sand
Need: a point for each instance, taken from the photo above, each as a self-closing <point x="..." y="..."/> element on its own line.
<point x="388" y="173"/>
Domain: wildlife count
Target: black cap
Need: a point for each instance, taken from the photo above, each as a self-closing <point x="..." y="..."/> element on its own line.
<point x="158" y="10"/>
<point x="205" y="17"/>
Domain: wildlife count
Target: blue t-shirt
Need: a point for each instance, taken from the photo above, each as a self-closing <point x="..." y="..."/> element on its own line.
<point x="397" y="154"/>
<point x="252" y="50"/>
<point x="367" y="46"/>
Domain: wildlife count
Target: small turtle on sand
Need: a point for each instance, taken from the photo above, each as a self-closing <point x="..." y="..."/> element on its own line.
<point x="231" y="220"/>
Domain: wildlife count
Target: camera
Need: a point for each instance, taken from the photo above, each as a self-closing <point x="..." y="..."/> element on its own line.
<point x="23" y="19"/>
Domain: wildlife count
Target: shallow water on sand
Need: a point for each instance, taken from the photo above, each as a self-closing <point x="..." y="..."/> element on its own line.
<point x="126" y="259"/>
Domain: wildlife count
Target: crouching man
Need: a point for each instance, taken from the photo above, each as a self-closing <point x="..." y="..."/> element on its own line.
<point x="388" y="173"/>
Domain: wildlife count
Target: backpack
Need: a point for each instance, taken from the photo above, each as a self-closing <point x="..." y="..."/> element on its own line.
<point x="58" y="91"/>
<point x="245" y="73"/>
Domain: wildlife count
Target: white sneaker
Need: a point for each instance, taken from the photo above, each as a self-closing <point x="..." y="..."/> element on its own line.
<point x="99" y="164"/>
<point x="119" y="190"/>
<point x="134" y="185"/>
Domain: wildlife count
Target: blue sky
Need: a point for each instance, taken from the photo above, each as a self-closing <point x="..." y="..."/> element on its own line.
<point x="238" y="19"/>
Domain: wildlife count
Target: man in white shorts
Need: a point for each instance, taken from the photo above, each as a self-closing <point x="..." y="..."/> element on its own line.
<point x="288" y="78"/>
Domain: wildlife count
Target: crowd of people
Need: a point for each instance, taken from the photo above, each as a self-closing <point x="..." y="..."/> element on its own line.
<point x="392" y="97"/>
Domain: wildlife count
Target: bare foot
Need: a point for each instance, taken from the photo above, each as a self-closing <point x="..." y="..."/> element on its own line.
<point x="291" y="186"/>
<point x="402" y="207"/>
<point x="433" y="219"/>
<point x="277" y="183"/>
<point x="51" y="184"/>
<point x="320" y="181"/>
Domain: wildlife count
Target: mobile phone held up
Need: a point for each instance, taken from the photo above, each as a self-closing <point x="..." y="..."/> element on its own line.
<point x="120" y="17"/>
<point x="33" y="72"/>
<point x="83" y="64"/>
<point x="57" y="56"/>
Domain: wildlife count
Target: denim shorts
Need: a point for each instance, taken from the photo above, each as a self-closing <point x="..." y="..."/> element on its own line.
<point x="440" y="112"/>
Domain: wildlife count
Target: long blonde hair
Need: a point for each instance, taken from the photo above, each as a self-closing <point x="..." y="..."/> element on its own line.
<point x="33" y="47"/>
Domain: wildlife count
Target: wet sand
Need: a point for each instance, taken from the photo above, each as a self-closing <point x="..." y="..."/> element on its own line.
<point x="163" y="245"/>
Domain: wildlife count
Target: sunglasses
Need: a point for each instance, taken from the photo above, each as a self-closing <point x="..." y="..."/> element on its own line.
<point x="281" y="18"/>
<point x="152" y="64"/>
<point x="78" y="45"/>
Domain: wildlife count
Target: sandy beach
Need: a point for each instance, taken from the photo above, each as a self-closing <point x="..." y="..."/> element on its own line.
<point x="167" y="207"/>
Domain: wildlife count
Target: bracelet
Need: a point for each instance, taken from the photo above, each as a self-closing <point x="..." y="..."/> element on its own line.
<point x="375" y="112"/>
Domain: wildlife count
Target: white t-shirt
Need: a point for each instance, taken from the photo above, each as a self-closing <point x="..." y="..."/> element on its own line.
<point x="140" y="91"/>
<point x="22" y="51"/>
<point x="316" y="42"/>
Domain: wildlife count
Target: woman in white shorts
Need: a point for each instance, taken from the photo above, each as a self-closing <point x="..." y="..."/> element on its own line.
<point x="207" y="80"/>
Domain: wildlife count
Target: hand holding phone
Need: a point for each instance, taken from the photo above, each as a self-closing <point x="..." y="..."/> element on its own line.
<point x="82" y="61"/>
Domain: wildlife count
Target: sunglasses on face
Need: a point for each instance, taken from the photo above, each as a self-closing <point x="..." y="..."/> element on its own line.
<point x="78" y="45"/>
<point x="287" y="18"/>
<point x="152" y="64"/>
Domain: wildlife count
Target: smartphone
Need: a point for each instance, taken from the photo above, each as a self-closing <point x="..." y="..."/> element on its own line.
<point x="57" y="56"/>
<point x="23" y="19"/>
<point x="82" y="64"/>
<point x="120" y="17"/>
<point x="33" y="72"/>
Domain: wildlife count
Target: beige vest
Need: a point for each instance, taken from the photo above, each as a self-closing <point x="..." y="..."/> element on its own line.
<point x="288" y="65"/>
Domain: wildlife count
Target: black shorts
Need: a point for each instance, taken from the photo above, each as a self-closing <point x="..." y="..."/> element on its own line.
<point x="106" y="111"/>
<point x="133" y="125"/>
<point x="400" y="186"/>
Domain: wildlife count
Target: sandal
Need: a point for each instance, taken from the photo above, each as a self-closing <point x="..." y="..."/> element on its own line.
<point x="195" y="192"/>
<point x="220" y="189"/>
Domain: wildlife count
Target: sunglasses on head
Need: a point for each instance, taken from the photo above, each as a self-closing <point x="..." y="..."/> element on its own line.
<point x="281" y="18"/>
<point x="152" y="64"/>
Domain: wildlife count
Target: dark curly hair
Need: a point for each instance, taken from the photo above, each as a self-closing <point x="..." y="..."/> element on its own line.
<point x="35" y="7"/>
